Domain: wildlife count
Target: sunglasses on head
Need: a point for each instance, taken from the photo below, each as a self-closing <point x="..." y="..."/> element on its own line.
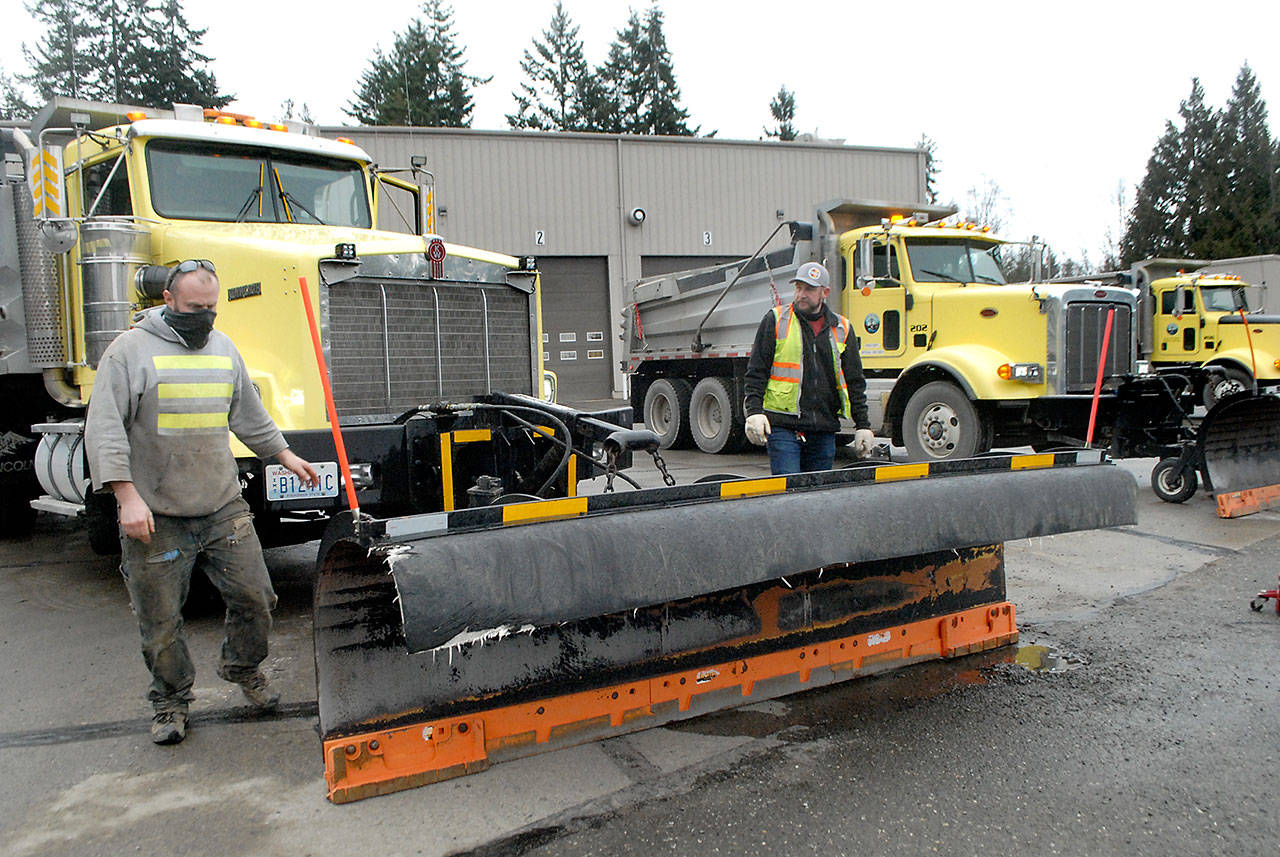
<point x="187" y="267"/>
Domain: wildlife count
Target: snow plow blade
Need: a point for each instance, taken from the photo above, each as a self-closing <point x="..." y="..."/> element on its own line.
<point x="1240" y="441"/>
<point x="447" y="642"/>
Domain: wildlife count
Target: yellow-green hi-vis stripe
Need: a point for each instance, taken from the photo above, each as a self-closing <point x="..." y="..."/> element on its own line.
<point x="191" y="421"/>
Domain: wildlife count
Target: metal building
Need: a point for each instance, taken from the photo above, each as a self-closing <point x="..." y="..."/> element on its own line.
<point x="599" y="210"/>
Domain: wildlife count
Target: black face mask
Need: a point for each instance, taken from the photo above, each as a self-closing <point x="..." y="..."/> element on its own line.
<point x="193" y="327"/>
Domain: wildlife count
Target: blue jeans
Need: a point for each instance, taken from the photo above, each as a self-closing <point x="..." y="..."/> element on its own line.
<point x="158" y="576"/>
<point x="789" y="454"/>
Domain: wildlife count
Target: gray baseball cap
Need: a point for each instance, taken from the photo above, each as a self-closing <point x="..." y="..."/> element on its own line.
<point x="813" y="274"/>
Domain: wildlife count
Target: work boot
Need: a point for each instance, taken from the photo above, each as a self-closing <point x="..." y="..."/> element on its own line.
<point x="169" y="727"/>
<point x="259" y="691"/>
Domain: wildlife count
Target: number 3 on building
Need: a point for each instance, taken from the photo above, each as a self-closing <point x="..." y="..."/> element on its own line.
<point x="706" y="238"/>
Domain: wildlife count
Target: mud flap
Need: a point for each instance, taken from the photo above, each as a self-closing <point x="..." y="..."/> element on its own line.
<point x="437" y="654"/>
<point x="1239" y="440"/>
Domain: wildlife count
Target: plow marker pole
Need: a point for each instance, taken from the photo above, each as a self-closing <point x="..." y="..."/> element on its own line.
<point x="329" y="405"/>
<point x="1097" y="386"/>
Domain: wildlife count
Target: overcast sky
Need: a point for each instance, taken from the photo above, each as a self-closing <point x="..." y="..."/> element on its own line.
<point x="1059" y="104"/>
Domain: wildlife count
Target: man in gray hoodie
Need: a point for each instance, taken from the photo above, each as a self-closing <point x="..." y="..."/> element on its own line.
<point x="168" y="393"/>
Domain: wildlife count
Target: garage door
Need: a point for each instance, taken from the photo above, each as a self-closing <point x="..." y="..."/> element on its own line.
<point x="576" y="330"/>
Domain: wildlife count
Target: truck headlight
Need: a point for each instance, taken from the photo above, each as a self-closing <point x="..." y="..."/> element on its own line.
<point x="1027" y="373"/>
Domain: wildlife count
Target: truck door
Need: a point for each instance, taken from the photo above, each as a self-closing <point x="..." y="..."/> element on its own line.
<point x="1177" y="333"/>
<point x="878" y="309"/>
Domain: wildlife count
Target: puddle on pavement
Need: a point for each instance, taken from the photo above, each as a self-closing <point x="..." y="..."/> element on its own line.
<point x="1041" y="658"/>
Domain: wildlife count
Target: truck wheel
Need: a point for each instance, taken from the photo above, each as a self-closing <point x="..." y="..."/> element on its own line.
<point x="1226" y="381"/>
<point x="666" y="412"/>
<point x="102" y="524"/>
<point x="940" y="422"/>
<point x="715" y="419"/>
<point x="1168" y="485"/>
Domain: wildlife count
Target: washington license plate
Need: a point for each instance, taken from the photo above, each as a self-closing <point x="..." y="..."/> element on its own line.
<point x="283" y="485"/>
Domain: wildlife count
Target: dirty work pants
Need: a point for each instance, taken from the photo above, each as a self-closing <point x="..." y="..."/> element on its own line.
<point x="158" y="576"/>
<point x="788" y="453"/>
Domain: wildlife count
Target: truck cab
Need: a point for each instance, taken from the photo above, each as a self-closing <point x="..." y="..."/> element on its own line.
<point x="955" y="356"/>
<point x="115" y="195"/>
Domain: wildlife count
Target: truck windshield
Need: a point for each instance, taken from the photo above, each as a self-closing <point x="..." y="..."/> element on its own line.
<point x="945" y="260"/>
<point x="199" y="181"/>
<point x="1220" y="298"/>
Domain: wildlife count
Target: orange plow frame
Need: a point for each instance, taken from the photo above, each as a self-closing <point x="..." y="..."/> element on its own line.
<point x="384" y="761"/>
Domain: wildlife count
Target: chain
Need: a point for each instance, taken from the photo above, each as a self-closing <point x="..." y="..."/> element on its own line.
<point x="610" y="471"/>
<point x="667" y="478"/>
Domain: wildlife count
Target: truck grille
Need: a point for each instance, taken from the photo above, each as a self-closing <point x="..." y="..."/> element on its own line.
<point x="394" y="344"/>
<point x="1086" y="323"/>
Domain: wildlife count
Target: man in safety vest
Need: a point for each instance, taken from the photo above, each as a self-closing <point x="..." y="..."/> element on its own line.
<point x="803" y="376"/>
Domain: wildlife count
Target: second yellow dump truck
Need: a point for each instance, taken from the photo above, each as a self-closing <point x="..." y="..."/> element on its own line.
<point x="956" y="358"/>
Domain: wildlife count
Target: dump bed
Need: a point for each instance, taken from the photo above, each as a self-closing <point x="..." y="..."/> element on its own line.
<point x="666" y="311"/>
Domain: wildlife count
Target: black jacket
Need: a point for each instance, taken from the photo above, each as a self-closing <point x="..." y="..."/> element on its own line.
<point x="819" y="398"/>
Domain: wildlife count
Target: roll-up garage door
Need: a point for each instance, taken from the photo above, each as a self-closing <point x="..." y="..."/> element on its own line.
<point x="577" y="333"/>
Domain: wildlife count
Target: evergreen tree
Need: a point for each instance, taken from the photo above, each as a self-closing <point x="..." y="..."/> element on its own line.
<point x="783" y="110"/>
<point x="171" y="69"/>
<point x="1155" y="228"/>
<point x="1210" y="190"/>
<point x="421" y="82"/>
<point x="60" y="62"/>
<point x="12" y="103"/>
<point x="639" y="91"/>
<point x="1243" y="222"/>
<point x="124" y="51"/>
<point x="932" y="166"/>
<point x="554" y="96"/>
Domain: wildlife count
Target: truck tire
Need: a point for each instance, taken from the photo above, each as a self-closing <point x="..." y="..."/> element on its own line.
<point x="1225" y="381"/>
<point x="666" y="412"/>
<point x="940" y="422"/>
<point x="101" y="523"/>
<point x="715" y="418"/>
<point x="1173" y="488"/>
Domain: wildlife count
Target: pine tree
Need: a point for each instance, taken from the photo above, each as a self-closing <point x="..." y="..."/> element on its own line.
<point x="783" y="110"/>
<point x="1155" y="228"/>
<point x="640" y="95"/>
<point x="171" y="68"/>
<point x="421" y="82"/>
<point x="1199" y="171"/>
<point x="124" y="51"/>
<point x="61" y="63"/>
<point x="1243" y="222"/>
<point x="12" y="103"/>
<point x="554" y="96"/>
<point x="932" y="166"/>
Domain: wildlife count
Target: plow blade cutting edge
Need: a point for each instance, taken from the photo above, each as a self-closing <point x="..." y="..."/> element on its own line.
<point x="1240" y="441"/>
<point x="446" y="642"/>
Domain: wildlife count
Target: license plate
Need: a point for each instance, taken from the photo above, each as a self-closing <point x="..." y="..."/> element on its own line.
<point x="283" y="485"/>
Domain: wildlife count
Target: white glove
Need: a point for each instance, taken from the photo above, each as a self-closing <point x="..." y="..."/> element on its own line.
<point x="862" y="442"/>
<point x="758" y="429"/>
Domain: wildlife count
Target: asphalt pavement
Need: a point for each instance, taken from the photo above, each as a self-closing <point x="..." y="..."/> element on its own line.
<point x="1151" y="726"/>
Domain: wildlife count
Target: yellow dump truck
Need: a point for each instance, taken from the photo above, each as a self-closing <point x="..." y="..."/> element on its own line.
<point x="956" y="358"/>
<point x="98" y="199"/>
<point x="1189" y="318"/>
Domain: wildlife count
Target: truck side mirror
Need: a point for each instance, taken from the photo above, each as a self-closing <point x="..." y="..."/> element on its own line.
<point x="1179" y="297"/>
<point x="865" y="275"/>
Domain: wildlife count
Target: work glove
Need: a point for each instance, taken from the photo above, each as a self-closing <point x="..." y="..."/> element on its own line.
<point x="863" y="439"/>
<point x="758" y="429"/>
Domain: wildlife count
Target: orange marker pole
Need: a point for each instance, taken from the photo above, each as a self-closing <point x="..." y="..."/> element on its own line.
<point x="328" y="402"/>
<point x="1253" y="360"/>
<point x="1097" y="387"/>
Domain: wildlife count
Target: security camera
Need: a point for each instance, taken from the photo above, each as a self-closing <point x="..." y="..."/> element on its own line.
<point x="637" y="216"/>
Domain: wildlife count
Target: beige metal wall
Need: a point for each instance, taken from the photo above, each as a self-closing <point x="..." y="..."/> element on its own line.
<point x="570" y="194"/>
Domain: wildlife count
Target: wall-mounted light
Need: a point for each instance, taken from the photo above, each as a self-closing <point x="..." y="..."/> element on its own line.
<point x="637" y="216"/>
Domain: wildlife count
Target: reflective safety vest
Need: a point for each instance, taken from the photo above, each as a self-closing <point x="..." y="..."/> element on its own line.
<point x="782" y="393"/>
